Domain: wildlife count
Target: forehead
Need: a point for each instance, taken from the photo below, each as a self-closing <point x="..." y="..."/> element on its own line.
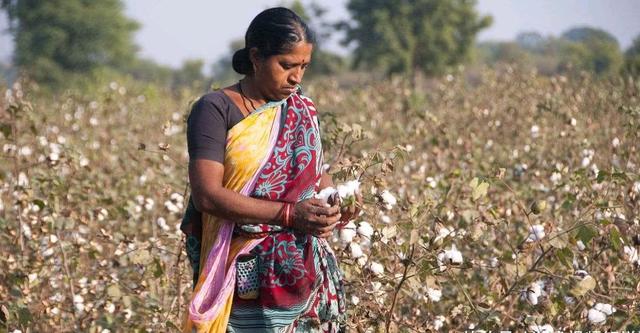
<point x="301" y="52"/>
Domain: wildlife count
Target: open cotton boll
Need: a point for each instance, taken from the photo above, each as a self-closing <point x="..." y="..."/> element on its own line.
<point x="434" y="294"/>
<point x="598" y="314"/>
<point x="536" y="233"/>
<point x="348" y="232"/>
<point x="605" y="308"/>
<point x="388" y="199"/>
<point x="533" y="292"/>
<point x="348" y="189"/>
<point x="376" y="268"/>
<point x="365" y="229"/>
<point x="356" y="250"/>
<point x="449" y="257"/>
<point x="325" y="193"/>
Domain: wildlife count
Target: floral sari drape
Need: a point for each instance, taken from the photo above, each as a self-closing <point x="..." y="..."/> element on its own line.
<point x="276" y="154"/>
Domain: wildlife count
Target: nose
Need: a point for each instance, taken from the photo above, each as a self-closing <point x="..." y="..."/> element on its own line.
<point x="296" y="76"/>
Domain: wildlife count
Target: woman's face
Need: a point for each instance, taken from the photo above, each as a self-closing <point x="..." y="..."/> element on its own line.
<point x="278" y="75"/>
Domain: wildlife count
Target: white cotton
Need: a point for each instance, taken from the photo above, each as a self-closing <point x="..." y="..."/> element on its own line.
<point x="348" y="189"/>
<point x="535" y="131"/>
<point x="632" y="254"/>
<point x="356" y="250"/>
<point x="78" y="303"/>
<point x="443" y="233"/>
<point x="449" y="257"/>
<point x="388" y="199"/>
<point x="596" y="317"/>
<point x="555" y="178"/>
<point x="605" y="308"/>
<point x="580" y="245"/>
<point x="325" y="193"/>
<point x="434" y="294"/>
<point x="348" y="232"/>
<point x="541" y="328"/>
<point x="365" y="229"/>
<point x="536" y="233"/>
<point x="376" y="268"/>
<point x="438" y="322"/>
<point x="615" y="142"/>
<point x="598" y="314"/>
<point x="533" y="292"/>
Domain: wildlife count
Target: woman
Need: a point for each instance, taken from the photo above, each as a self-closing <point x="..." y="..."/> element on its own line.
<point x="255" y="234"/>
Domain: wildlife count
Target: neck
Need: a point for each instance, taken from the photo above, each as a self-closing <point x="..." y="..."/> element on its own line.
<point x="250" y="90"/>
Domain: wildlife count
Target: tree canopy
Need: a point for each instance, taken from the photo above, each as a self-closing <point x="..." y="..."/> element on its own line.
<point x="55" y="38"/>
<point x="418" y="35"/>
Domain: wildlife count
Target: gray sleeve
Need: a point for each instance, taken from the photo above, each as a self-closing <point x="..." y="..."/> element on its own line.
<point x="207" y="130"/>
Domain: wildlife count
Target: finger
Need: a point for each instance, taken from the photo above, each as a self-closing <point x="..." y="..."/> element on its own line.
<point x="329" y="220"/>
<point x="332" y="210"/>
<point x="325" y="235"/>
<point x="317" y="202"/>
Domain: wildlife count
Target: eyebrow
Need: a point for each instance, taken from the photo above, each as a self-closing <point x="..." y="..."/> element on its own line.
<point x="292" y="63"/>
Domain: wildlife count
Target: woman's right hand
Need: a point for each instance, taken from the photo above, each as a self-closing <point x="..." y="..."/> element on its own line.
<point x="314" y="217"/>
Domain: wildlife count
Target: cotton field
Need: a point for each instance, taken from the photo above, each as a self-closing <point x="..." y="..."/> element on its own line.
<point x="496" y="200"/>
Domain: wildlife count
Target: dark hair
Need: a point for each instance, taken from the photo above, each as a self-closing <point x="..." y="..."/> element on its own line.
<point x="274" y="31"/>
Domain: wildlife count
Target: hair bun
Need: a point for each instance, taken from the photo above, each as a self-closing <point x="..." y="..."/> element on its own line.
<point x="241" y="62"/>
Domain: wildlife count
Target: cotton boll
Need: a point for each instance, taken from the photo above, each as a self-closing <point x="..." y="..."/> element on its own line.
<point x="356" y="250"/>
<point x="536" y="233"/>
<point x="365" y="230"/>
<point x="605" y="308"/>
<point x="434" y="294"/>
<point x="533" y="292"/>
<point x="438" y="322"/>
<point x="348" y="189"/>
<point x="596" y="317"/>
<point x="388" y="199"/>
<point x="325" y="193"/>
<point x="449" y="257"/>
<point x="376" y="268"/>
<point x="348" y="232"/>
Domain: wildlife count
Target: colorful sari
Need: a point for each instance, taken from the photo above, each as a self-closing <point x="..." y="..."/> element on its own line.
<point x="276" y="154"/>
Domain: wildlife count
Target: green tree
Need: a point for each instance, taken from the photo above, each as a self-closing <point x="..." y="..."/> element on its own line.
<point x="592" y="49"/>
<point x="189" y="74"/>
<point x="420" y="35"/>
<point x="58" y="38"/>
<point x="323" y="62"/>
<point x="632" y="58"/>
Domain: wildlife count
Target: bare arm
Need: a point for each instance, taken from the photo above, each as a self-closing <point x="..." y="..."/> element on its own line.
<point x="209" y="196"/>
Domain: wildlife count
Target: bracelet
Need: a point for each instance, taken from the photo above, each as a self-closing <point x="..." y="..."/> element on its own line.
<point x="287" y="215"/>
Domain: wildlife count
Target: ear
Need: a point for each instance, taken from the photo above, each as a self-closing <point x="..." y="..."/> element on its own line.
<point x="255" y="58"/>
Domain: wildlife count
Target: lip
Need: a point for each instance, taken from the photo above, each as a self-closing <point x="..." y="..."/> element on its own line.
<point x="289" y="90"/>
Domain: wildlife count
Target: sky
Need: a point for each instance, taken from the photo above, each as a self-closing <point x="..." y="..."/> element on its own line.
<point x="174" y="31"/>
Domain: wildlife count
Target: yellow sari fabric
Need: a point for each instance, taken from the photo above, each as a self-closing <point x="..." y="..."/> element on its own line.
<point x="248" y="145"/>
